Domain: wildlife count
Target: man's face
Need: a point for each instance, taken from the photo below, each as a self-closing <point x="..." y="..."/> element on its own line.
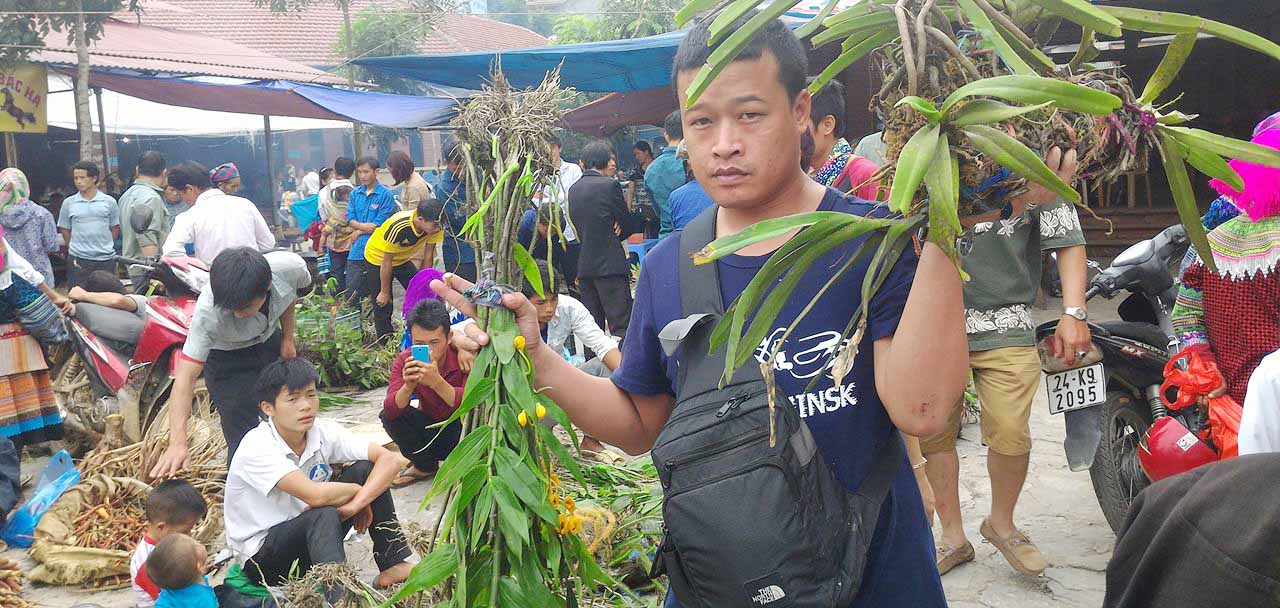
<point x="546" y="307"/>
<point x="642" y="157"/>
<point x="741" y="132"/>
<point x="253" y="308"/>
<point x="83" y="182"/>
<point x="367" y="175"/>
<point x="612" y="169"/>
<point x="425" y="226"/>
<point x="232" y="187"/>
<point x="555" y="153"/>
<point x="294" y="411"/>
<point x="542" y="230"/>
<point x="437" y="339"/>
<point x="171" y="195"/>
<point x="189" y="195"/>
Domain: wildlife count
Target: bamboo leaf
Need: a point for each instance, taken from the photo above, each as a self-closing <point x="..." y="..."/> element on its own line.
<point x="1185" y="200"/>
<point x="813" y="24"/>
<point x="529" y="266"/>
<point x="761" y="231"/>
<point x="1225" y="146"/>
<point x="691" y="10"/>
<point x="987" y="111"/>
<point x="522" y="480"/>
<point x="1036" y="90"/>
<point x="1174" y="58"/>
<point x="1083" y="13"/>
<point x="981" y="22"/>
<point x="727" y="17"/>
<point x="431" y="571"/>
<point x="511" y="518"/>
<point x="850" y="56"/>
<point x="1009" y="152"/>
<point x="460" y="460"/>
<point x="1154" y="22"/>
<point x="728" y="50"/>
<point x="912" y="163"/>
<point x="943" y="183"/>
<point x="1212" y="165"/>
<point x="502" y="332"/>
<point x="482" y="507"/>
<point x="472" y="482"/>
<point x="861" y="24"/>
<point x="923" y="106"/>
<point x="553" y="443"/>
<point x="1241" y="37"/>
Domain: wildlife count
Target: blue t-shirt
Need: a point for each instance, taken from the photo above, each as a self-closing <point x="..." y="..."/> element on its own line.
<point x="90" y="222"/>
<point x="199" y="595"/>
<point x="454" y="250"/>
<point x="849" y="424"/>
<point x="687" y="202"/>
<point x="374" y="208"/>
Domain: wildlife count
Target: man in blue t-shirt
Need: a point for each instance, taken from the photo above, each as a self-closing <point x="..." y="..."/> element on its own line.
<point x="757" y="107"/>
<point x="89" y="222"/>
<point x="371" y="205"/>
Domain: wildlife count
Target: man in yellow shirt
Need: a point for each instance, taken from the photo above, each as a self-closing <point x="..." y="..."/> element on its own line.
<point x="392" y="249"/>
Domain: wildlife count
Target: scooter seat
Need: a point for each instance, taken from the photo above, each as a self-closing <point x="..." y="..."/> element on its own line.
<point x="110" y="324"/>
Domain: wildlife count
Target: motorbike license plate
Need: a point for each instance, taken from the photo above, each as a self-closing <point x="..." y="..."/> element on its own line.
<point x="1076" y="389"/>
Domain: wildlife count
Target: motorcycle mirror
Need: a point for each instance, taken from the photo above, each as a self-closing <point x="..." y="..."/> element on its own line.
<point x="140" y="218"/>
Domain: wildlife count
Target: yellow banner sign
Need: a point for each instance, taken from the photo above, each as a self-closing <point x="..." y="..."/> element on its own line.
<point x="24" y="92"/>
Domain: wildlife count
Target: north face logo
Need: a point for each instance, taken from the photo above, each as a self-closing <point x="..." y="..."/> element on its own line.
<point x="768" y="595"/>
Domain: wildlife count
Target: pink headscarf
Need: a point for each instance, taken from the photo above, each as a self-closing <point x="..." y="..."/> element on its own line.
<point x="1261" y="196"/>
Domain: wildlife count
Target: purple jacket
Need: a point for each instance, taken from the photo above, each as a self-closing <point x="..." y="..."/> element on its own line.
<point x="31" y="232"/>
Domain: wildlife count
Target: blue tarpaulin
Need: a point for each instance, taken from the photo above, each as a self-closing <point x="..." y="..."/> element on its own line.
<point x="382" y="109"/>
<point x="612" y="66"/>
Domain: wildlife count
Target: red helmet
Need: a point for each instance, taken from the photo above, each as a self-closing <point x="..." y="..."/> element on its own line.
<point x="1168" y="448"/>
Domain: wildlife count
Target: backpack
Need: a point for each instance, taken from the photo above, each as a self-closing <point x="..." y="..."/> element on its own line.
<point x="752" y="515"/>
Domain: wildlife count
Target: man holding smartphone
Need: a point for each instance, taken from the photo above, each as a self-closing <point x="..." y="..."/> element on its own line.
<point x="425" y="388"/>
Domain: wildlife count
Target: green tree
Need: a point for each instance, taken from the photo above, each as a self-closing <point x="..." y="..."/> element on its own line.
<point x="620" y="19"/>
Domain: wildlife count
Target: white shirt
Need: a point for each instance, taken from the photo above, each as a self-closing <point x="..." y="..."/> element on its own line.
<point x="216" y="222"/>
<point x="253" y="503"/>
<point x="16" y="264"/>
<point x="1260" y="425"/>
<point x="572" y="319"/>
<point x="558" y="191"/>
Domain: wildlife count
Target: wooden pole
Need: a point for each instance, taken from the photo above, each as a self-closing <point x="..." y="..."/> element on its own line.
<point x="271" y="176"/>
<point x="102" y="131"/>
<point x="10" y="151"/>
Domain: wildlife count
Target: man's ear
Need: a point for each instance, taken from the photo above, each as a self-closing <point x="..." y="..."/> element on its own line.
<point x="828" y="125"/>
<point x="267" y="408"/>
<point x="801" y="109"/>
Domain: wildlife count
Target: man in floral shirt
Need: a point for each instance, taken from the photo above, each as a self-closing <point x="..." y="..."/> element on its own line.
<point x="1003" y="259"/>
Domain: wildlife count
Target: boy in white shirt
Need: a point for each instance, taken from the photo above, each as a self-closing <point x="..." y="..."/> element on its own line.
<point x="285" y="506"/>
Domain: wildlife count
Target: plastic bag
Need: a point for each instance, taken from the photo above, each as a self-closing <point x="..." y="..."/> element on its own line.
<point x="1200" y="378"/>
<point x="57" y="478"/>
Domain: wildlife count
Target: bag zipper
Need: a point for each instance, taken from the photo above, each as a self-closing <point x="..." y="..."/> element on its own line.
<point x="701" y="452"/>
<point x="771" y="461"/>
<point x="703" y="408"/>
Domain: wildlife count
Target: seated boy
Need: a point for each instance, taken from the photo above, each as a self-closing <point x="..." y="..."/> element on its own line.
<point x="178" y="568"/>
<point x="284" y="506"/>
<point x="436" y="385"/>
<point x="173" y="507"/>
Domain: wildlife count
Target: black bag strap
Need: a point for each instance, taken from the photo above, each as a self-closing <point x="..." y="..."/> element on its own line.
<point x="699" y="285"/>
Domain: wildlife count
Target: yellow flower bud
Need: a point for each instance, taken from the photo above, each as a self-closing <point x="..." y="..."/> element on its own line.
<point x="540" y="411"/>
<point x="522" y="418"/>
<point x="519" y="342"/>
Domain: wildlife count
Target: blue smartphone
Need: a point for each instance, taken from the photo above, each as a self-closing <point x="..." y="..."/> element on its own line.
<point x="422" y="352"/>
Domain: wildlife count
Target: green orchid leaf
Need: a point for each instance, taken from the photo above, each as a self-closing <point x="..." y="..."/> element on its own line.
<point x="981" y="22"/>
<point x="849" y="56"/>
<point x="1037" y="90"/>
<point x="1086" y="51"/>
<point x="512" y="519"/>
<point x="813" y="24"/>
<point x="1212" y="165"/>
<point x="943" y="184"/>
<point x="1033" y="56"/>
<point x="1174" y="57"/>
<point x="1154" y="22"/>
<point x="761" y="231"/>
<point x="912" y="163"/>
<point x="1241" y="37"/>
<point x="1175" y="118"/>
<point x="528" y="266"/>
<point x="1224" y="146"/>
<point x="923" y="106"/>
<point x="692" y="9"/>
<point x="1083" y="13"/>
<point x="727" y="17"/>
<point x="988" y="111"/>
<point x="853" y="12"/>
<point x="1184" y="199"/>
<point x="863" y="24"/>
<point x="1011" y="153"/>
<point x="727" y="51"/>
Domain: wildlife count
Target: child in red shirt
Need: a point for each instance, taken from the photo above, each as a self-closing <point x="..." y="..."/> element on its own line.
<point x="173" y="507"/>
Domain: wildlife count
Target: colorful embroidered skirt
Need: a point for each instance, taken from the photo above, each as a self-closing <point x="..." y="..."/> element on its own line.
<point x="28" y="408"/>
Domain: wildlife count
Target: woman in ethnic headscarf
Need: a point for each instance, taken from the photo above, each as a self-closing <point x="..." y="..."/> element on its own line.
<point x="226" y="177"/>
<point x="28" y="407"/>
<point x="29" y="228"/>
<point x="1232" y="316"/>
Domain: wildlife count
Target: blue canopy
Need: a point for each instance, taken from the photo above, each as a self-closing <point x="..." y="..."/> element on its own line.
<point x="382" y="109"/>
<point x="611" y="66"/>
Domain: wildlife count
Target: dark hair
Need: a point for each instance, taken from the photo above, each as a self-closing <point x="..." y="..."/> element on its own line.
<point x="152" y="164"/>
<point x="547" y="274"/>
<point x="293" y="374"/>
<point x="369" y="161"/>
<point x="431" y="209"/>
<point x="781" y="42"/>
<point x="326" y="174"/>
<point x="553" y="140"/>
<point x="644" y="146"/>
<point x="175" y="501"/>
<point x="807" y="148"/>
<point x="192" y="174"/>
<point x="89" y="168"/>
<point x="238" y="276"/>
<point x="342" y="193"/>
<point x="659" y="145"/>
<point x="597" y="155"/>
<point x="104" y="281"/>
<point x="545" y="216"/>
<point x="429" y="315"/>
<point x="401" y="166"/>
<point x="452" y="152"/>
<point x="344" y="167"/>
<point x="671" y="127"/>
<point x="173" y="564"/>
<point x="829" y="101"/>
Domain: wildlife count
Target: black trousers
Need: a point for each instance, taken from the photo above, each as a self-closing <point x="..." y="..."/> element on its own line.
<point x="466" y="270"/>
<point x="373" y="284"/>
<point x="609" y="301"/>
<point x="409" y="431"/>
<point x="79" y="269"/>
<point x="338" y="268"/>
<point x="315" y="537"/>
<point x="230" y="376"/>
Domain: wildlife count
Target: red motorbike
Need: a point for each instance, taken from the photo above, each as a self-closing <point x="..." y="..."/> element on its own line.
<point x="124" y="364"/>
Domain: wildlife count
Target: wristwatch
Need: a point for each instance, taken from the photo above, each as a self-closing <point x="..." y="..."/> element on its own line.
<point x="1076" y="312"/>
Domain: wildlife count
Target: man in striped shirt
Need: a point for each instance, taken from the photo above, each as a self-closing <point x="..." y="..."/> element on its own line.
<point x="408" y="236"/>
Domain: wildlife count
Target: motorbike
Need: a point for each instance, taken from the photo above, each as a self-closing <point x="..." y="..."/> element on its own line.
<point x="1111" y="398"/>
<point x="123" y="364"/>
